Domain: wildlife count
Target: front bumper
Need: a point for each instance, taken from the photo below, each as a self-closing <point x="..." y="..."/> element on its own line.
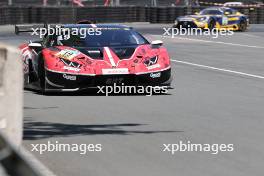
<point x="190" y="24"/>
<point x="69" y="82"/>
<point x="204" y="25"/>
<point x="185" y="24"/>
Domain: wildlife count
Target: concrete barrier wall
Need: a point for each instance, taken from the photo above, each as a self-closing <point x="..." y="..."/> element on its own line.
<point x="11" y="97"/>
<point x="21" y="15"/>
<point x="15" y="160"/>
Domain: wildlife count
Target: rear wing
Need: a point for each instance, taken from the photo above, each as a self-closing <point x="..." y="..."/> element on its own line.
<point x="87" y="22"/>
<point x="29" y="28"/>
<point x="24" y="28"/>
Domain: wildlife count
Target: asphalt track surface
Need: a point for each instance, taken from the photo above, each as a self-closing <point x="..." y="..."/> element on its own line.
<point x="218" y="98"/>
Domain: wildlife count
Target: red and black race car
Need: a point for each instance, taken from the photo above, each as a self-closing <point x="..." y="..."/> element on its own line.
<point x="113" y="54"/>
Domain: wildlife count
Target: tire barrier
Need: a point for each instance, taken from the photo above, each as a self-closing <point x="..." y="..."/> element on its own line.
<point x="11" y="94"/>
<point x="26" y="15"/>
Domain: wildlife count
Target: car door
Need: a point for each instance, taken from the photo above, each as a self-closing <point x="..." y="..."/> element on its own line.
<point x="226" y="17"/>
<point x="230" y="17"/>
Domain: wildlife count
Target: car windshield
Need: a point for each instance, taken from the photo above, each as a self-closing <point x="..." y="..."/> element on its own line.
<point x="211" y="12"/>
<point x="107" y="37"/>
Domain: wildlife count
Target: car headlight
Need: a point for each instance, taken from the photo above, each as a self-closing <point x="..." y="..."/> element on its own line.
<point x="151" y="61"/>
<point x="201" y="19"/>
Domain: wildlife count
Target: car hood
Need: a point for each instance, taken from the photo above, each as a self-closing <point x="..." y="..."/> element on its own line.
<point x="94" y="60"/>
<point x="190" y="17"/>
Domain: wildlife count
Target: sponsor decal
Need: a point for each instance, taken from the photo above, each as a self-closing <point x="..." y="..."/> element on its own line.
<point x="67" y="54"/>
<point x="224" y="20"/>
<point x="71" y="68"/>
<point x="69" y="77"/>
<point x="155" y="75"/>
<point x="70" y="63"/>
<point x="151" y="61"/>
<point x="115" y="71"/>
<point x="153" y="66"/>
<point x="94" y="51"/>
<point x="233" y="19"/>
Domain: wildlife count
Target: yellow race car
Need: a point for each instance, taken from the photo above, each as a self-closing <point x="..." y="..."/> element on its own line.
<point x="214" y="17"/>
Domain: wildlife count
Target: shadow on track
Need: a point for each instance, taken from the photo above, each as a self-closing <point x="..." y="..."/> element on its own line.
<point x="42" y="130"/>
<point x="93" y="93"/>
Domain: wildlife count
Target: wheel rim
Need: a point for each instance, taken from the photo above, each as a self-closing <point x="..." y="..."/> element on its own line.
<point x="243" y="26"/>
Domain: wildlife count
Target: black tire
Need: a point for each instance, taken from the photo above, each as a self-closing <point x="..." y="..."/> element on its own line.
<point x="41" y="75"/>
<point x="242" y="25"/>
<point x="211" y="24"/>
<point x="27" y="76"/>
<point x="176" y="26"/>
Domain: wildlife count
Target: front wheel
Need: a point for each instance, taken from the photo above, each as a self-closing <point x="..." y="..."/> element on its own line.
<point x="41" y="75"/>
<point x="176" y="26"/>
<point x="211" y="24"/>
<point x="242" y="26"/>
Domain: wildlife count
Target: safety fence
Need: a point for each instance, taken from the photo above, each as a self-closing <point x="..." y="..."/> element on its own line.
<point x="157" y="3"/>
<point x="96" y="2"/>
<point x="21" y="15"/>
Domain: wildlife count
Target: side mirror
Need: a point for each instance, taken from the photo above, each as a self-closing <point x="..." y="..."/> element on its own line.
<point x="196" y="13"/>
<point x="35" y="45"/>
<point x="156" y="43"/>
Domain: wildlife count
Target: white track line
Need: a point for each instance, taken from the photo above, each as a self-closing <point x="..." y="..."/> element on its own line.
<point x="219" y="42"/>
<point x="216" y="42"/>
<point x="219" y="69"/>
<point x="250" y="35"/>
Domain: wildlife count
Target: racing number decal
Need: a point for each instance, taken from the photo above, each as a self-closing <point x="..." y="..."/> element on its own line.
<point x="224" y="20"/>
<point x="67" y="54"/>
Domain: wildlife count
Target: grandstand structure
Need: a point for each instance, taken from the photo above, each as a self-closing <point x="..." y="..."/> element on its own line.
<point x="145" y="3"/>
